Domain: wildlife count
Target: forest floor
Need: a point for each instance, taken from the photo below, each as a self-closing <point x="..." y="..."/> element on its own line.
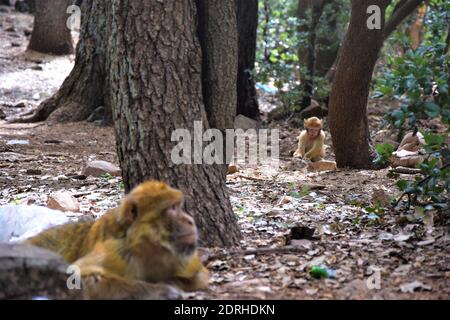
<point x="411" y="252"/>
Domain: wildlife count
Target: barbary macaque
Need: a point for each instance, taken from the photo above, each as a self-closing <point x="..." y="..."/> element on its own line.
<point x="311" y="141"/>
<point x="133" y="249"/>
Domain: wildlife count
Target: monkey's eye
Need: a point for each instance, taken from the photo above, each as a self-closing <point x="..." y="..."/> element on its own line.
<point x="172" y="210"/>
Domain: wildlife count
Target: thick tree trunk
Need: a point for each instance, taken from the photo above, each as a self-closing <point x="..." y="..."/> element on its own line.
<point x="247" y="21"/>
<point x="86" y="88"/>
<point x="50" y="32"/>
<point x="217" y="31"/>
<point x="156" y="78"/>
<point x="349" y="94"/>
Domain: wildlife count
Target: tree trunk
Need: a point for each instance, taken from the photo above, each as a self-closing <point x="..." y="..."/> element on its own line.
<point x="50" y="32"/>
<point x="307" y="54"/>
<point x="156" y="81"/>
<point x="401" y="11"/>
<point x="349" y="94"/>
<point x="86" y="88"/>
<point x="247" y="21"/>
<point x="328" y="44"/>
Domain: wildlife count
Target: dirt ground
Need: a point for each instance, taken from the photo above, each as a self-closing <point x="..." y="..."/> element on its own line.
<point x="410" y="251"/>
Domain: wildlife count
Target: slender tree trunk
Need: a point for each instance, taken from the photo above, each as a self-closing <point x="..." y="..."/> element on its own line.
<point x="247" y="21"/>
<point x="349" y="94"/>
<point x="447" y="40"/>
<point x="156" y="77"/>
<point x="50" y="32"/>
<point x="307" y="54"/>
<point x="86" y="88"/>
<point x="328" y="43"/>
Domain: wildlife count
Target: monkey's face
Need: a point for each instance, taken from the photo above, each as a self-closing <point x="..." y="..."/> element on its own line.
<point x="313" y="132"/>
<point x="154" y="217"/>
<point x="182" y="228"/>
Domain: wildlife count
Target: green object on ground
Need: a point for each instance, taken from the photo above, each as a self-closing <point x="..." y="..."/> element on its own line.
<point x="318" y="272"/>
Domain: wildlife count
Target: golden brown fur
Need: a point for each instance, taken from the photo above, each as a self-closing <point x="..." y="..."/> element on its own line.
<point x="311" y="147"/>
<point x="147" y="239"/>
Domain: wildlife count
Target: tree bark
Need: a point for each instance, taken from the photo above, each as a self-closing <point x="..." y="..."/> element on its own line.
<point x="156" y="81"/>
<point x="86" y="88"/>
<point x="217" y="31"/>
<point x="247" y="21"/>
<point x="350" y="90"/>
<point x="50" y="32"/>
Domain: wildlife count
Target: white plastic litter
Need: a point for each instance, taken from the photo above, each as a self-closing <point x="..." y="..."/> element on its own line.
<point x="18" y="223"/>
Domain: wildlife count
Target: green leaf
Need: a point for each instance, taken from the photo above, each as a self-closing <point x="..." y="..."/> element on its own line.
<point x="402" y="184"/>
<point x="432" y="109"/>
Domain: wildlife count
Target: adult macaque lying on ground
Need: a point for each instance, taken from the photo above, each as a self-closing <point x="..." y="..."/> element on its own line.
<point x="136" y="251"/>
<point x="311" y="141"/>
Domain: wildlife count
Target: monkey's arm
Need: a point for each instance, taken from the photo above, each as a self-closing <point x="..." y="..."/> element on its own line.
<point x="98" y="284"/>
<point x="301" y="149"/>
<point x="193" y="275"/>
<point x="104" y="276"/>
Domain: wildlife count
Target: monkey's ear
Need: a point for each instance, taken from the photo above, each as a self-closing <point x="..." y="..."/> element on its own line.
<point x="130" y="212"/>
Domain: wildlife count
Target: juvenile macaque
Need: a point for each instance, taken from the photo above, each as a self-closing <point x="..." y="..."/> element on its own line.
<point x="147" y="240"/>
<point x="311" y="141"/>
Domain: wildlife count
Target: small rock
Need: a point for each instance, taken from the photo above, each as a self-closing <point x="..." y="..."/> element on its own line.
<point x="314" y="110"/>
<point x="34" y="172"/>
<point x="322" y="165"/>
<point x="38" y="68"/>
<point x="244" y="123"/>
<point x="232" y="169"/>
<point x="414" y="286"/>
<point x="63" y="201"/>
<point x="401" y="237"/>
<point x="302" y="243"/>
<point x="17" y="142"/>
<point x="2" y="114"/>
<point x="4" y="10"/>
<point x="27" y="32"/>
<point x="10" y="29"/>
<point x="15" y="44"/>
<point x="380" y="197"/>
<point x="98" y="168"/>
<point x="36" y="96"/>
